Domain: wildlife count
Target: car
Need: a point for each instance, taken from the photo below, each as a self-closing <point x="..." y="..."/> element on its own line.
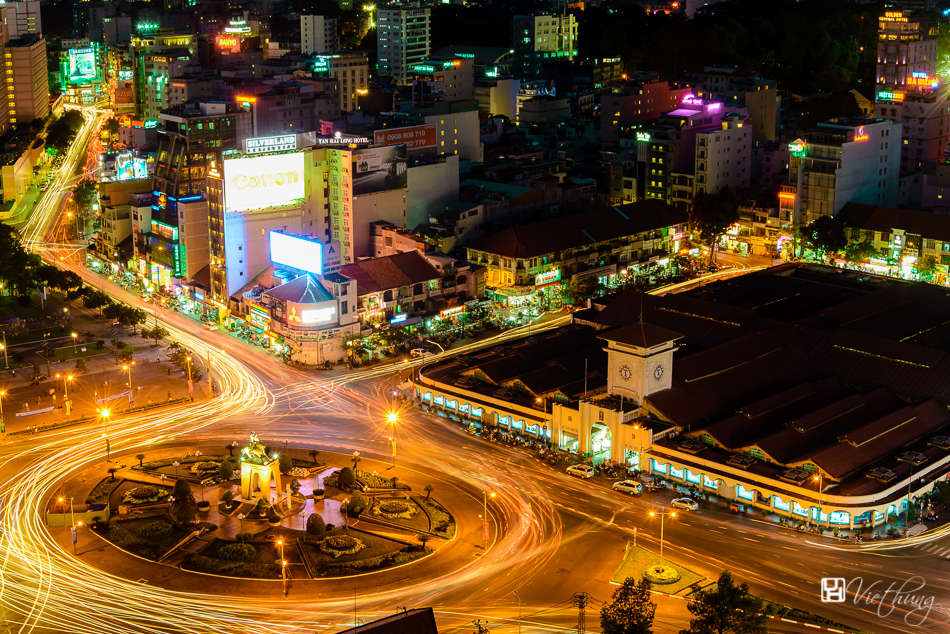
<point x="628" y="486"/>
<point x="43" y="187"/>
<point x="687" y="504"/>
<point x="210" y="327"/>
<point x="580" y="470"/>
<point x="418" y="352"/>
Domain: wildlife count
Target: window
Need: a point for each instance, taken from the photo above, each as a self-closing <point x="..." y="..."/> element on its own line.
<point x="343" y="308"/>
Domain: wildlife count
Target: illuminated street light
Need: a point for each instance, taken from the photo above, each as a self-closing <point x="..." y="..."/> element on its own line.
<point x="485" y="518"/>
<point x="393" y="418"/>
<point x="74" y="342"/>
<point x="662" y="515"/>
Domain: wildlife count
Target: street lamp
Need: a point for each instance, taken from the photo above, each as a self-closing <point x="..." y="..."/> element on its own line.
<point x="393" y="417"/>
<point x="662" y="515"/>
<point x="485" y="518"/>
<point x="128" y="367"/>
<point x="72" y="521"/>
<point x="176" y="464"/>
<point x="818" y="479"/>
<point x="74" y="342"/>
<point x="104" y="413"/>
<point x="191" y="389"/>
<point x="3" y="424"/>
<point x="66" y="377"/>
<point x="519" y="610"/>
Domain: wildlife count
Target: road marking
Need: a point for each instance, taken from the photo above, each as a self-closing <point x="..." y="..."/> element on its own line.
<point x="752" y="540"/>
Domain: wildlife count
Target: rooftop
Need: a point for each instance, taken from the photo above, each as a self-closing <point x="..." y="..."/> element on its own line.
<point x="381" y="274"/>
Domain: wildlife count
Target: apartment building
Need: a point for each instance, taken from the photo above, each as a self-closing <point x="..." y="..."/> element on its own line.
<point x="403" y="39"/>
<point x="724" y="156"/>
<point x="26" y="56"/>
<point x="318" y="34"/>
<point x="642" y="98"/>
<point x="352" y="72"/>
<point x="539" y="39"/>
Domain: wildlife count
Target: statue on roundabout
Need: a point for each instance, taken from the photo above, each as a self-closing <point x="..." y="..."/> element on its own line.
<point x="254" y="452"/>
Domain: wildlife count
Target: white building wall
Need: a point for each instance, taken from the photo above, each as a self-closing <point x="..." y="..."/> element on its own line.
<point x="430" y="188"/>
<point x="724" y="157"/>
<point x="247" y="242"/>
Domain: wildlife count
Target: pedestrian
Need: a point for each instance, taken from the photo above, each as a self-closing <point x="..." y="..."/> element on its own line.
<point x="169" y="371"/>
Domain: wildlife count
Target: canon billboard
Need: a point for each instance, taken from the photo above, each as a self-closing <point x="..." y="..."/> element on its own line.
<point x="262" y="182"/>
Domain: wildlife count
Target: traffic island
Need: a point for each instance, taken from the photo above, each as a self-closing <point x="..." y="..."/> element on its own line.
<point x="671" y="578"/>
<point x="248" y="560"/>
<point x="347" y="551"/>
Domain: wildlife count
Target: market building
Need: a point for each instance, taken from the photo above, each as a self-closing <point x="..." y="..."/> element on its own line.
<point x="800" y="390"/>
<point x="528" y="264"/>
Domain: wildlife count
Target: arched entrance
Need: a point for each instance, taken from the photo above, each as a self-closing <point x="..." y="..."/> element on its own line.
<point x="600" y="443"/>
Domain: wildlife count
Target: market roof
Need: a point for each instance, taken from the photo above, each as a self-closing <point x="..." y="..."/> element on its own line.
<point x="303" y="290"/>
<point x="578" y="230"/>
<point x="380" y="274"/>
<point x="886" y="219"/>
<point x="641" y="335"/>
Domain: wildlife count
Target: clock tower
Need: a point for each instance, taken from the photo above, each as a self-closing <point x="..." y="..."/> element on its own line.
<point x="639" y="360"/>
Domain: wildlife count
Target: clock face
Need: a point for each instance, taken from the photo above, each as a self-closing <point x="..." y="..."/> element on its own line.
<point x="625" y="372"/>
<point x="658" y="372"/>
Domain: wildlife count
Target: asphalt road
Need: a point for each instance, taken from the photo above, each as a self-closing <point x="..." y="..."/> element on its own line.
<point x="551" y="535"/>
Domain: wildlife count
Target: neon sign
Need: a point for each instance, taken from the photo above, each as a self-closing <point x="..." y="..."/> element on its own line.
<point x="246" y="99"/>
<point x="398" y="319"/>
<point x="452" y="312"/>
<point x="550" y="276"/>
<point x="887" y="95"/>
<point x="643" y="136"/>
<point x="861" y="136"/>
<point x="229" y="42"/>
<point x="798" y="147"/>
<point x="714" y="106"/>
<point x="692" y="100"/>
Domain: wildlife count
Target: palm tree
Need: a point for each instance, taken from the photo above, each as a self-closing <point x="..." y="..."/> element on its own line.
<point x="428" y="489"/>
<point x="140" y="457"/>
<point x="313" y="455"/>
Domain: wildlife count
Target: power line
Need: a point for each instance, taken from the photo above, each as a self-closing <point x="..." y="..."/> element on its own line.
<point x="579" y="601"/>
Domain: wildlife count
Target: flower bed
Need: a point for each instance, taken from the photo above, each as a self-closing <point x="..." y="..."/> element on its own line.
<point x="204" y="469"/>
<point x="395" y="509"/>
<point x="379" y="553"/>
<point x="153" y="465"/>
<point x="144" y="495"/>
<point x="441" y="522"/>
<point x="337" y="545"/>
<point x="144" y="537"/>
<point x="236" y="559"/>
<point x="371" y="481"/>
<point x="103" y="491"/>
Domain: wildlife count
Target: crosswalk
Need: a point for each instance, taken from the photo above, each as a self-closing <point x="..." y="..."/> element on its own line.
<point x="937" y="550"/>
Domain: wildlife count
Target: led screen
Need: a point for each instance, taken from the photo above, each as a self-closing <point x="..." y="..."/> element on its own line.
<point x="295" y="252"/>
<point x="378" y="169"/>
<point x="82" y="65"/>
<point x="262" y="182"/>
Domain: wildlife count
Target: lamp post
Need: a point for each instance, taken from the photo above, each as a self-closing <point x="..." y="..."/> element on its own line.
<point x="662" y="515"/>
<point x="104" y="413"/>
<point x="66" y="379"/>
<point x="72" y="521"/>
<point x="74" y="342"/>
<point x="485" y="518"/>
<point x="241" y="519"/>
<point x="176" y="464"/>
<point x="6" y="359"/>
<point x="3" y="423"/>
<point x="191" y="385"/>
<point x="519" y="610"/>
<point x="393" y="417"/>
<point x="128" y="368"/>
<point x="818" y="479"/>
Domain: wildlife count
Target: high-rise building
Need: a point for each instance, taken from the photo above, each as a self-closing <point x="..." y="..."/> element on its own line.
<point x="642" y="98"/>
<point x="351" y="70"/>
<point x="23" y="18"/>
<point x="844" y="160"/>
<point x="318" y="34"/>
<point x="403" y="40"/>
<point x="724" y="156"/>
<point x="28" y="79"/>
<point x="443" y="79"/>
<point x="540" y="39"/>
<point x="907" y="87"/>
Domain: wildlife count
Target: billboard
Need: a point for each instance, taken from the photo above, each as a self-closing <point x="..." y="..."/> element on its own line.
<point x="260" y="145"/>
<point x="379" y="169"/>
<point x="82" y="65"/>
<point x="414" y="137"/>
<point x="263" y="181"/>
<point x="129" y="167"/>
<point x="296" y="252"/>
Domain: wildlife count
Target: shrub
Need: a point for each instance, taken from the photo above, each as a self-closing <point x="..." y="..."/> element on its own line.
<point x="203" y="467"/>
<point x="80" y="365"/>
<point x="395" y="509"/>
<point x="182" y="490"/>
<point x="228" y="496"/>
<point x="285" y="462"/>
<point x="393" y="506"/>
<point x="346" y="477"/>
<point x="339" y="545"/>
<point x="243" y="536"/>
<point x="143" y="495"/>
<point x="261" y="505"/>
<point x="272" y="515"/>
<point x="236" y="552"/>
<point x="186" y="514"/>
<point x="225" y="470"/>
<point x="155" y="530"/>
<point x="24" y="300"/>
<point x="357" y="503"/>
<point x="316" y="525"/>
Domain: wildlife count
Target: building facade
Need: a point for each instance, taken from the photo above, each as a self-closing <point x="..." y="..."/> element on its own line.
<point x="539" y="39"/>
<point x="318" y="34"/>
<point x="403" y="40"/>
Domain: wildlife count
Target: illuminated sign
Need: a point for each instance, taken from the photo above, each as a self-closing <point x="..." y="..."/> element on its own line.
<point x="798" y="147"/>
<point x="715" y="106"/>
<point x="550" y="276"/>
<point x="643" y="136"/>
<point x="263" y="181"/>
<point x="379" y="169"/>
<point x="692" y="100"/>
<point x="922" y="79"/>
<point x="887" y="95"/>
<point x="398" y="319"/>
<point x="452" y="312"/>
<point x="466" y="55"/>
<point x="151" y="123"/>
<point x="82" y="65"/>
<point x="894" y="16"/>
<point x="339" y="139"/>
<point x="162" y="201"/>
<point x="313" y="316"/>
<point x="246" y="99"/>
<point x="860" y="135"/>
<point x="279" y="143"/>
<point x="228" y="42"/>
<point x="786" y="196"/>
<point x="418" y="136"/>
<point x="296" y="252"/>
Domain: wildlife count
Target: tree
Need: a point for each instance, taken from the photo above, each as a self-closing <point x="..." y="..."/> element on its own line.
<point x="856" y="252"/>
<point x="313" y="455"/>
<point x="346" y="477"/>
<point x="112" y="471"/>
<point x="80" y="365"/>
<point x="428" y="489"/>
<point x="228" y="497"/>
<point x="315" y="525"/>
<point x="579" y="291"/>
<point x="94" y="298"/>
<point x="630" y="610"/>
<point x="927" y="266"/>
<point x="728" y="608"/>
<point x="285" y="462"/>
<point x="712" y="214"/>
<point x="111" y="126"/>
<point x="225" y="470"/>
<point x="131" y="316"/>
<point x="157" y="333"/>
<point x="186" y="514"/>
<point x="84" y="193"/>
<point x="423" y="538"/>
<point x="140" y="457"/>
<point x="60" y="133"/>
<point x="182" y="490"/>
<point x="825" y="235"/>
<point x="358" y="503"/>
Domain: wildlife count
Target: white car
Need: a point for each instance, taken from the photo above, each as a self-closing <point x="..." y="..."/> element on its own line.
<point x="580" y="470"/>
<point x="687" y="504"/>
<point x="418" y="352"/>
<point x="628" y="486"/>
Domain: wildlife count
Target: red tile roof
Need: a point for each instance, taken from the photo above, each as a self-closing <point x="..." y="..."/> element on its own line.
<point x="390" y="272"/>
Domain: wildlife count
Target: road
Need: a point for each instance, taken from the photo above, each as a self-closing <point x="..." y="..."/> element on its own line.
<point x="551" y="535"/>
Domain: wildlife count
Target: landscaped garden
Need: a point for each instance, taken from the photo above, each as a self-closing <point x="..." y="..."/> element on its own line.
<point x="348" y="551"/>
<point x="252" y="560"/>
<point x="148" y="537"/>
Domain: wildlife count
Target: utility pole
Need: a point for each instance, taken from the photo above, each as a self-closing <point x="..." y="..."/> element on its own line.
<point x="479" y="628"/>
<point x="579" y="601"/>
